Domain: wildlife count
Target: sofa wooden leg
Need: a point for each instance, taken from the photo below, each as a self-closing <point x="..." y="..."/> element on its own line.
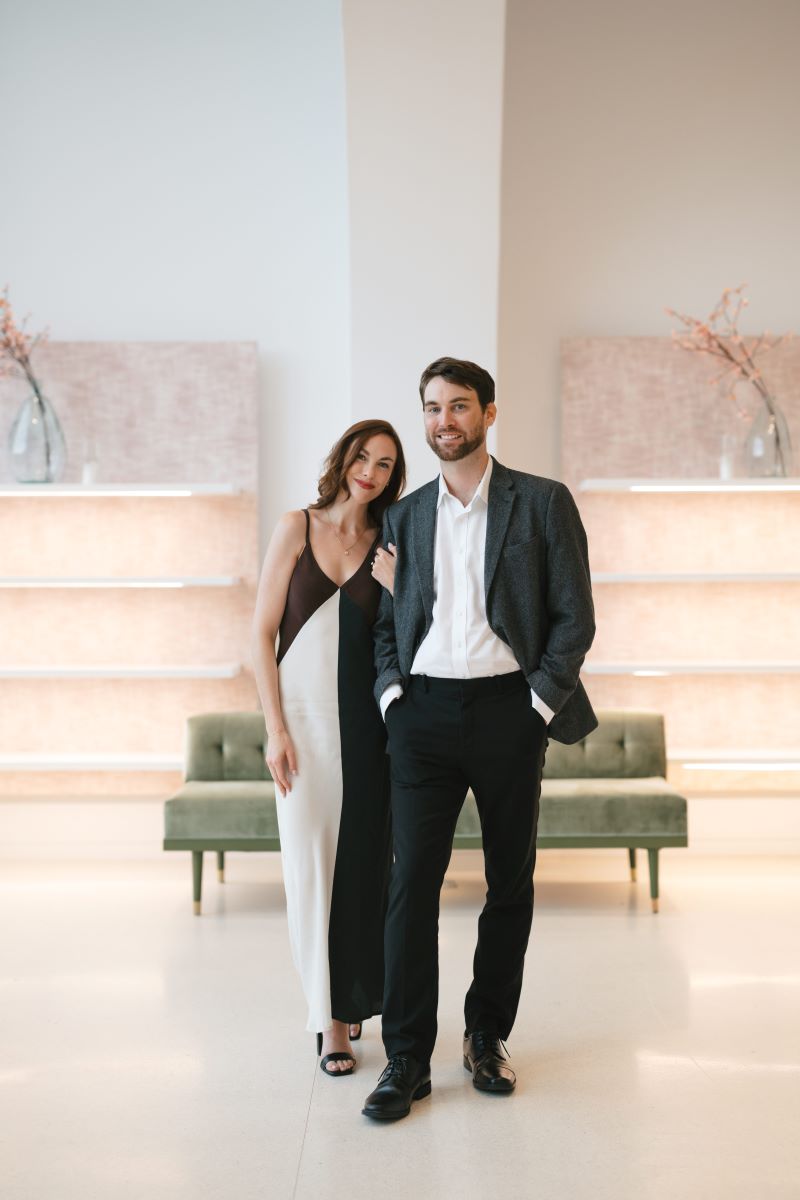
<point x="653" y="857"/>
<point x="221" y="866"/>
<point x="632" y="861"/>
<point x="197" y="879"/>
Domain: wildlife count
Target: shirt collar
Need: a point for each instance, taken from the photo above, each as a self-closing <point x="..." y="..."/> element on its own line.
<point x="481" y="491"/>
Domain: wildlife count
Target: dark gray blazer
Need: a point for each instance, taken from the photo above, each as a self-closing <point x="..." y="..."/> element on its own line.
<point x="538" y="591"/>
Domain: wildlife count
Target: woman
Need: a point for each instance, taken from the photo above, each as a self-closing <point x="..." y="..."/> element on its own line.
<point x="326" y="745"/>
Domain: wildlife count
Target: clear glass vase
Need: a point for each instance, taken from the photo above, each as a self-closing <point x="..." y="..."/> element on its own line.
<point x="36" y="447"/>
<point x="768" y="447"/>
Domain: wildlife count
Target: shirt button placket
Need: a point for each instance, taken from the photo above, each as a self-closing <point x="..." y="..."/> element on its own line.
<point x="460" y="621"/>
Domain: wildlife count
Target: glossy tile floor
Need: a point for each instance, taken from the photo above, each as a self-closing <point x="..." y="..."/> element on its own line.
<point x="146" y="1052"/>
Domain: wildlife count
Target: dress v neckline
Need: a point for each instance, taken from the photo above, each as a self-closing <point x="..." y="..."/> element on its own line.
<point x="332" y="582"/>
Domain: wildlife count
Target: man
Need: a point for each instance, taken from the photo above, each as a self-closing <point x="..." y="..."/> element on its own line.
<point x="477" y="656"/>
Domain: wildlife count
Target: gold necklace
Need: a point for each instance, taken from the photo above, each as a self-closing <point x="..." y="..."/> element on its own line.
<point x="346" y="549"/>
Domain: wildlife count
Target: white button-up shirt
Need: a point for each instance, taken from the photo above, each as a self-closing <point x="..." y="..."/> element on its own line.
<point x="460" y="643"/>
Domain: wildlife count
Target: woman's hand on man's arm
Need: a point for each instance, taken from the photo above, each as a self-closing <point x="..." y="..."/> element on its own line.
<point x="384" y="566"/>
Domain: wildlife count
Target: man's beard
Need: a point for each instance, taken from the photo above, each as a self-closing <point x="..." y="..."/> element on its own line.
<point x="453" y="452"/>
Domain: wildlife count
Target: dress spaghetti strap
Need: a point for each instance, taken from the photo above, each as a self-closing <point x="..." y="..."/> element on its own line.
<point x="308" y="526"/>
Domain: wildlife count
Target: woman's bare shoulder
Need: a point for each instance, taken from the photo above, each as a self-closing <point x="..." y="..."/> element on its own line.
<point x="293" y="520"/>
<point x="289" y="534"/>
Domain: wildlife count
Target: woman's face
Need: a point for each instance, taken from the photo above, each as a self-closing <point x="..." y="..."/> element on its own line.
<point x="372" y="468"/>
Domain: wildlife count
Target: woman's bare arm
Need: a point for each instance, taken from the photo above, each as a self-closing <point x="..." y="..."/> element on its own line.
<point x="285" y="547"/>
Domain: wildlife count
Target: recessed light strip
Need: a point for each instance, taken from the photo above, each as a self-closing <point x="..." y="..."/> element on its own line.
<point x="601" y="577"/>
<point x="690" y="485"/>
<point x="90" y="762"/>
<point x="48" y="491"/>
<point x="749" y="758"/>
<point x="713" y="487"/>
<point x="689" y="668"/>
<point x="111" y="582"/>
<point x="99" y="671"/>
<point x="734" y="765"/>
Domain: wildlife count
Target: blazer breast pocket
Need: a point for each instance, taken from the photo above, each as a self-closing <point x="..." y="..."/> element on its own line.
<point x="529" y="545"/>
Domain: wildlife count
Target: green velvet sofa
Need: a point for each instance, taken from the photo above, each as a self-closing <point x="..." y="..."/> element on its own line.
<point x="607" y="790"/>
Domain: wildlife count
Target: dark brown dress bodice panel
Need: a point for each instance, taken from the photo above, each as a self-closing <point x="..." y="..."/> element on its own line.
<point x="310" y="587"/>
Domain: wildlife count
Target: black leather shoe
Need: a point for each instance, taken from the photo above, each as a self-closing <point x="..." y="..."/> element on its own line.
<point x="403" y="1081"/>
<point x="488" y="1060"/>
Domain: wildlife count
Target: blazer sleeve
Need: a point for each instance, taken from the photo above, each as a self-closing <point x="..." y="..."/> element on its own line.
<point x="570" y="609"/>
<point x="387" y="665"/>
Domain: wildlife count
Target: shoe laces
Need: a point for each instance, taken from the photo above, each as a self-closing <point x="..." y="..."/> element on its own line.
<point x="488" y="1043"/>
<point x="398" y="1064"/>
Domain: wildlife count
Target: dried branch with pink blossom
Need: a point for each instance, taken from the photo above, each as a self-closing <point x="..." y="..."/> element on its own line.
<point x="17" y="346"/>
<point x="719" y="335"/>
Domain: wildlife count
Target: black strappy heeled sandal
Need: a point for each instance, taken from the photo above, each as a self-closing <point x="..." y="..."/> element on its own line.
<point x="359" y="1025"/>
<point x="336" y="1056"/>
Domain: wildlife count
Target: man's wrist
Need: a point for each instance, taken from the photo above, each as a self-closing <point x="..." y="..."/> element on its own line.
<point x="543" y="709"/>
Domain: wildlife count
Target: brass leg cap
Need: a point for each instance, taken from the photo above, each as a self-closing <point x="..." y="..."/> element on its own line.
<point x="221" y="876"/>
<point x="655" y="904"/>
<point x="633" y="874"/>
<point x="196" y="904"/>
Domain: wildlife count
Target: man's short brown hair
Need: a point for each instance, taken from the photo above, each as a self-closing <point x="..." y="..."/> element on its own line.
<point x="459" y="370"/>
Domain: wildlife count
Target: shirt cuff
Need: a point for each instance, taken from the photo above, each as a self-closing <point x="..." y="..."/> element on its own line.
<point x="536" y="701"/>
<point x="393" y="691"/>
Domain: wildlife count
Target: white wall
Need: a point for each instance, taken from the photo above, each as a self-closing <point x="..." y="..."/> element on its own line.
<point x="178" y="171"/>
<point x="424" y="114"/>
<point x="650" y="158"/>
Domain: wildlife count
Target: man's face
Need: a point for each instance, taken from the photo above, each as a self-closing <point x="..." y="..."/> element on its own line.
<point x="455" y="424"/>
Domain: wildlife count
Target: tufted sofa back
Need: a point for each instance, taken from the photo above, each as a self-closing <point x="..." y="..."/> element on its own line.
<point x="227" y="746"/>
<point x="627" y="744"/>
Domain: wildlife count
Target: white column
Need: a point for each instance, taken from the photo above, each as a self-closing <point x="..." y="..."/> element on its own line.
<point x="424" y="117"/>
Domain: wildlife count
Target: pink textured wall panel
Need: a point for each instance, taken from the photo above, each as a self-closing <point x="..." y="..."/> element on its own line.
<point x="637" y="407"/>
<point x="140" y="628"/>
<point x="733" y="711"/>
<point x="114" y="716"/>
<point x="158" y="412"/>
<point x="723" y="622"/>
<point x="69" y="785"/>
<point x="141" y="536"/>
<point x="725" y="531"/>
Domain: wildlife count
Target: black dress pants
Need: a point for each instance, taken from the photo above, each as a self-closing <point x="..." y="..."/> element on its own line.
<point x="446" y="735"/>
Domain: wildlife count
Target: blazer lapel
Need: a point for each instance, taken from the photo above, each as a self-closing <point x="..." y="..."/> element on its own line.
<point x="501" y="501"/>
<point x="424" y="534"/>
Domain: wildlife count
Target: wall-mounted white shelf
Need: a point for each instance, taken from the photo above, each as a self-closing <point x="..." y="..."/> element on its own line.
<point x="697" y="577"/>
<point x="91" y="762"/>
<point x="692" y="668"/>
<point x="48" y="491"/>
<point x="690" y="485"/>
<point x="214" y="671"/>
<point x="197" y="581"/>
<point x="722" y="759"/>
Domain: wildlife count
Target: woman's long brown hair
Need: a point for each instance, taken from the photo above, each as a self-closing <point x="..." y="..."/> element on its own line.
<point x="341" y="458"/>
